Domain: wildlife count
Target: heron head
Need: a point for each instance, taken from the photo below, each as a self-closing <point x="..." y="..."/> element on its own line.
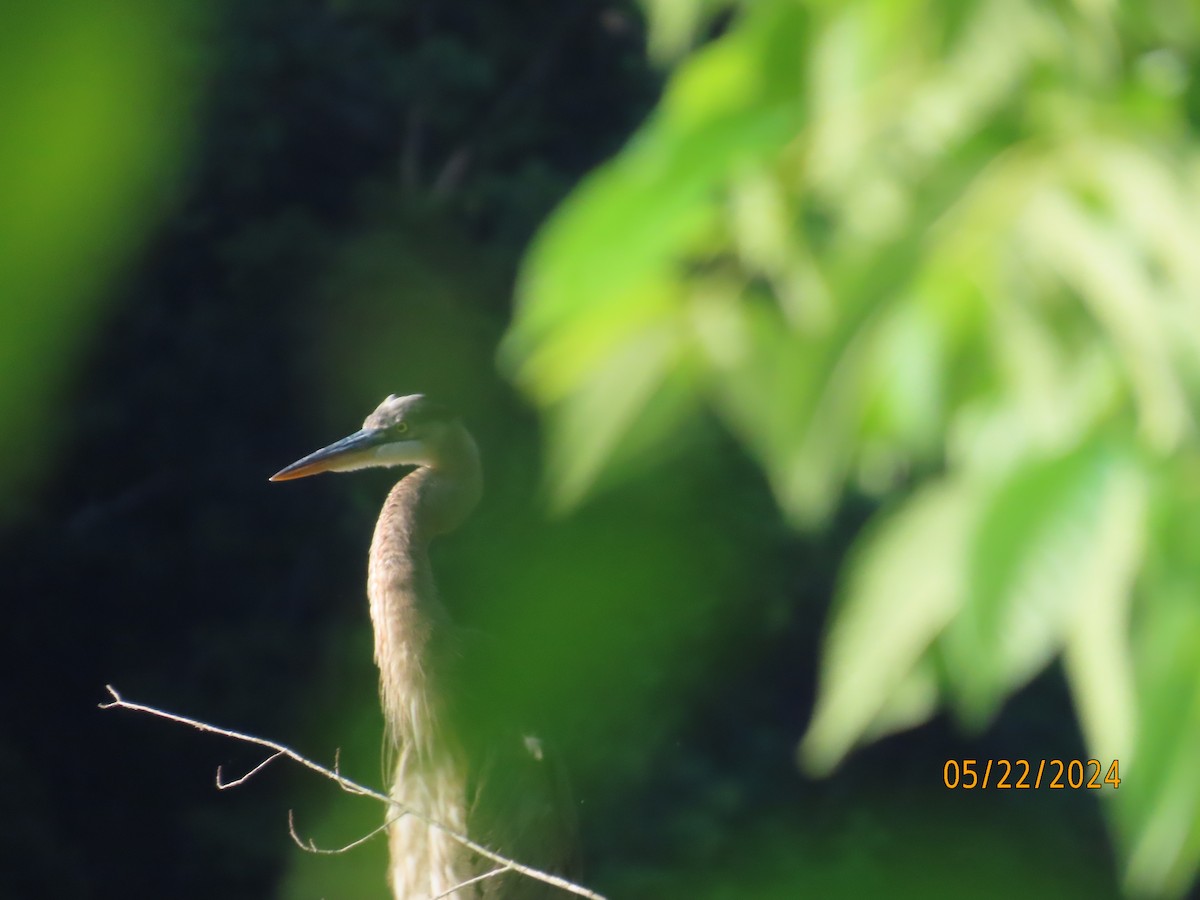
<point x="402" y="431"/>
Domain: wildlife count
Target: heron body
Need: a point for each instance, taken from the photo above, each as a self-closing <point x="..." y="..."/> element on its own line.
<point x="416" y="649"/>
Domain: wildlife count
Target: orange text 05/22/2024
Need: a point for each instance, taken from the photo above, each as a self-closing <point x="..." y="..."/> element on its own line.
<point x="1024" y="774"/>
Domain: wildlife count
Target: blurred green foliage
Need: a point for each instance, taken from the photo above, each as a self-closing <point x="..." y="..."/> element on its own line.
<point x="94" y="107"/>
<point x="944" y="254"/>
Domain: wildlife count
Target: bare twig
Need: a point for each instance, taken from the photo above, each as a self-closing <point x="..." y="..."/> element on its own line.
<point x="350" y="787"/>
<point x="470" y="881"/>
<point x="225" y="785"/>
<point x="308" y="846"/>
<point x="344" y="783"/>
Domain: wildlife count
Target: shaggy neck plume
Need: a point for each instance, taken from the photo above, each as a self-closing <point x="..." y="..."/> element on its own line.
<point x="405" y="609"/>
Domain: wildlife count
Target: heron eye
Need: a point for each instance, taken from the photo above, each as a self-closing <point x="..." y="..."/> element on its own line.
<point x="401" y="427"/>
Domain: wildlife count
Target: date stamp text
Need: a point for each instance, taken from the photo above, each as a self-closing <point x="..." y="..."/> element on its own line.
<point x="1023" y="774"/>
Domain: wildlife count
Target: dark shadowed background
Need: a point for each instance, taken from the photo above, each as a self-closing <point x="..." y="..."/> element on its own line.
<point x="230" y="232"/>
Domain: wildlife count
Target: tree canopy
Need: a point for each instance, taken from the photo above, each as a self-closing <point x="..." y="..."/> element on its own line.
<point x="944" y="255"/>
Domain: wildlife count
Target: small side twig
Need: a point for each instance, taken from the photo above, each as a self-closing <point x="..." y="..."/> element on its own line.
<point x="309" y="846"/>
<point x="225" y="785"/>
<point x="470" y="881"/>
<point x="350" y="787"/>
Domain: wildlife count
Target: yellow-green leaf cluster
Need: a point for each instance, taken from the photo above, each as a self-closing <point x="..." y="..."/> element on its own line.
<point x="943" y="253"/>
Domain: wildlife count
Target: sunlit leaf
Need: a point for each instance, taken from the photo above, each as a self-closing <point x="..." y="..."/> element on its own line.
<point x="911" y="702"/>
<point x="587" y="434"/>
<point x="1158" y="808"/>
<point x="905" y="389"/>
<point x="674" y="24"/>
<point x="1097" y="655"/>
<point x="1031" y="567"/>
<point x="730" y="105"/>
<point x="1111" y="281"/>
<point x="902" y="588"/>
<point x="595" y="277"/>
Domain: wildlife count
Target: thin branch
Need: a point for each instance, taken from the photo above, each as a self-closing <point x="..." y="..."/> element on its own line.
<point x="350" y="787"/>
<point x="308" y="846"/>
<point x="344" y="783"/>
<point x="225" y="785"/>
<point x="470" y="881"/>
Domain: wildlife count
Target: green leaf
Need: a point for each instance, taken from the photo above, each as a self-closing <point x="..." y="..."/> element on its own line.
<point x="902" y="587"/>
<point x="731" y="105"/>
<point x="674" y="24"/>
<point x="587" y="433"/>
<point x="1097" y="657"/>
<point x="1157" y="807"/>
<point x="1031" y="568"/>
<point x="1115" y="285"/>
<point x="596" y="332"/>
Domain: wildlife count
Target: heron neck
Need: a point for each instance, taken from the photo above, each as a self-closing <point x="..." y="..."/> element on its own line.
<point x="407" y="615"/>
<point x="404" y="611"/>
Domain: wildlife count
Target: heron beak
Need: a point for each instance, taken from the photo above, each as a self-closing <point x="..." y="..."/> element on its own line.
<point x="358" y="451"/>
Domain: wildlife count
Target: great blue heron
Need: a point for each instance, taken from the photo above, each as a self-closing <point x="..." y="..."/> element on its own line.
<point x="509" y="798"/>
